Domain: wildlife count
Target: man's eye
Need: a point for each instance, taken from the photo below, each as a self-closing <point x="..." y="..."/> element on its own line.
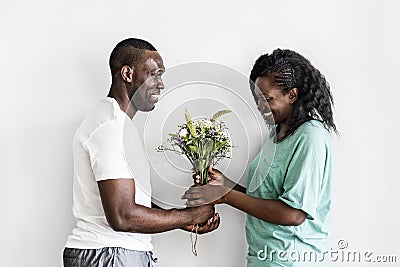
<point x="157" y="75"/>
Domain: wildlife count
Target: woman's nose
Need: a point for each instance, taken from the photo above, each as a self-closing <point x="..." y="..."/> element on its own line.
<point x="262" y="105"/>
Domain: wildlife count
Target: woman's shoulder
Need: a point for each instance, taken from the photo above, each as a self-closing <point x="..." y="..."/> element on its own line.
<point x="313" y="126"/>
<point x="313" y="132"/>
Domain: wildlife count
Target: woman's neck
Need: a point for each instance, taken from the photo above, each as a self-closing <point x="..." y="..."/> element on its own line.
<point x="283" y="128"/>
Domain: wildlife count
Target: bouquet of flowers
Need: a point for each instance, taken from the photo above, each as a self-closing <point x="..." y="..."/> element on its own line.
<point x="203" y="142"/>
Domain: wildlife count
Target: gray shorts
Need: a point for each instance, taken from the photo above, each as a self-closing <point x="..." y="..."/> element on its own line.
<point x="107" y="257"/>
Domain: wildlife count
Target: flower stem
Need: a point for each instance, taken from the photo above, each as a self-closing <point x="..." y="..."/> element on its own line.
<point x="203" y="176"/>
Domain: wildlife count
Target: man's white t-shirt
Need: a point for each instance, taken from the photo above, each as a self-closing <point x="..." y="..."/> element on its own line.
<point x="107" y="145"/>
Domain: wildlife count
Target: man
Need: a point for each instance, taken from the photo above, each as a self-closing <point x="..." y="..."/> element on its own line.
<point x="111" y="189"/>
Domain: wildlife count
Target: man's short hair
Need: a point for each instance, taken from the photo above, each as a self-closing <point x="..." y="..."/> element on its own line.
<point x="128" y="52"/>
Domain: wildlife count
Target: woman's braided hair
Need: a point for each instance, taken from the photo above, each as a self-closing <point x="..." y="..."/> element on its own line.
<point x="292" y="70"/>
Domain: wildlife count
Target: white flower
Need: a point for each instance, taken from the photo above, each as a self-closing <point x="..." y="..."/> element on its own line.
<point x="183" y="132"/>
<point x="208" y="123"/>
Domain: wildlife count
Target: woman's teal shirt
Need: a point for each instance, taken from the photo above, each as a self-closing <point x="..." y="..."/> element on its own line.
<point x="299" y="174"/>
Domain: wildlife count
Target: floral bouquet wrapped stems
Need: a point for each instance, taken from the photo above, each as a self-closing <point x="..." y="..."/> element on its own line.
<point x="203" y="142"/>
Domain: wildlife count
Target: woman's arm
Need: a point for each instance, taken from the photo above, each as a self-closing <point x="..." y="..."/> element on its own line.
<point x="219" y="190"/>
<point x="215" y="177"/>
<point x="269" y="210"/>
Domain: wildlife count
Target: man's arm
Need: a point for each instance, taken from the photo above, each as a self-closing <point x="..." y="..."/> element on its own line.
<point x="123" y="214"/>
<point x="155" y="206"/>
<point x="209" y="226"/>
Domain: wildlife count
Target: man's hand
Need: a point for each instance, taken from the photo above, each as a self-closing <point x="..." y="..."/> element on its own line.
<point x="201" y="213"/>
<point x="206" y="227"/>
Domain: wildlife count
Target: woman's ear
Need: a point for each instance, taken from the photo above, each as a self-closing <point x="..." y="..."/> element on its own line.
<point x="127" y="73"/>
<point x="293" y="93"/>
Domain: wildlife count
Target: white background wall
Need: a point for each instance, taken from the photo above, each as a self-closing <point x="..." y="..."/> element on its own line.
<point x="53" y="69"/>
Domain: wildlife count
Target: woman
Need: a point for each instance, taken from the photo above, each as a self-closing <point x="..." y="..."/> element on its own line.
<point x="288" y="195"/>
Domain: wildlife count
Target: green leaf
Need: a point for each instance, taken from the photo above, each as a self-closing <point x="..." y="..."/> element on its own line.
<point x="174" y="135"/>
<point x="187" y="116"/>
<point x="207" y="146"/>
<point x="189" y="123"/>
<point x="194" y="149"/>
<point x="220" y="145"/>
<point x="192" y="129"/>
<point x="194" y="141"/>
<point x="219" y="114"/>
<point x="204" y="147"/>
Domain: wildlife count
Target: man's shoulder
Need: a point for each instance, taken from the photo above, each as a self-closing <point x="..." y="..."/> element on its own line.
<point x="106" y="110"/>
<point x="104" y="113"/>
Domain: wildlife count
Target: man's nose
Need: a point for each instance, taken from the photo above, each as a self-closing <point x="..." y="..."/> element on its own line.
<point x="160" y="85"/>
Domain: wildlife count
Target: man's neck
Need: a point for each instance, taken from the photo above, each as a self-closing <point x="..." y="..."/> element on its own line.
<point x="123" y="100"/>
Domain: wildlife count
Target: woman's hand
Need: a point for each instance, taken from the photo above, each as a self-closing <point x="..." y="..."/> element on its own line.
<point x="215" y="177"/>
<point x="205" y="194"/>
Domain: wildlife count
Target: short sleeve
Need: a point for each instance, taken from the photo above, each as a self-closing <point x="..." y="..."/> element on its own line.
<point x="106" y="152"/>
<point x="305" y="174"/>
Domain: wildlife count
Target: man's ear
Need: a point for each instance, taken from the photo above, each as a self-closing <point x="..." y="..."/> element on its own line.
<point x="127" y="73"/>
<point x="293" y="93"/>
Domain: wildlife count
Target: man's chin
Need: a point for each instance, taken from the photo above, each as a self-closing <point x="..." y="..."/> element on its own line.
<point x="147" y="109"/>
<point x="143" y="108"/>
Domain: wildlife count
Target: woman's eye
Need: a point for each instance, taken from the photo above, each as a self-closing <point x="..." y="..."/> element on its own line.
<point x="267" y="98"/>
